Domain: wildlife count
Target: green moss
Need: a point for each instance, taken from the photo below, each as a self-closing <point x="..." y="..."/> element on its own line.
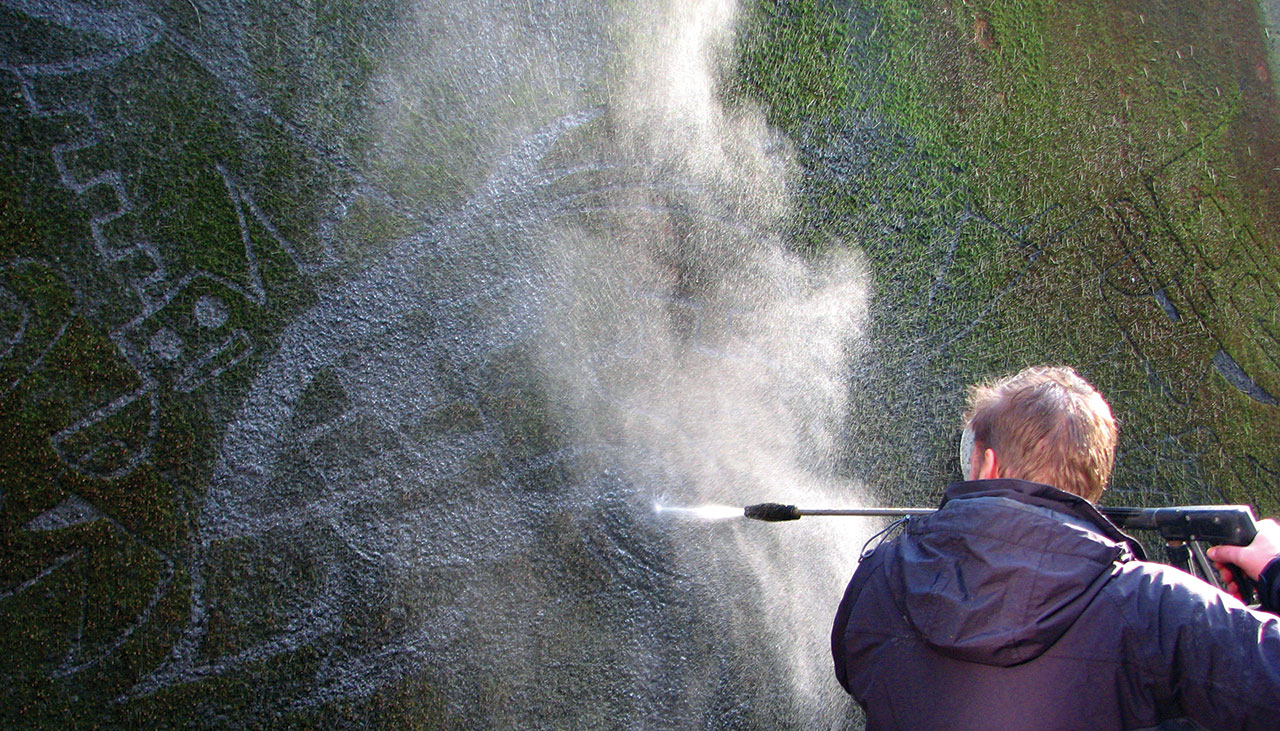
<point x="1022" y="153"/>
<point x="792" y="59"/>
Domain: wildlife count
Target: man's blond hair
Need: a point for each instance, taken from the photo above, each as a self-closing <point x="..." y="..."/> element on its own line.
<point x="1048" y="425"/>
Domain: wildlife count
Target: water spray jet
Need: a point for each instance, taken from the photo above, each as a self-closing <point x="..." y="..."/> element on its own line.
<point x="702" y="512"/>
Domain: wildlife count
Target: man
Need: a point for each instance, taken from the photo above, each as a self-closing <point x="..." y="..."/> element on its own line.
<point x="1017" y="605"/>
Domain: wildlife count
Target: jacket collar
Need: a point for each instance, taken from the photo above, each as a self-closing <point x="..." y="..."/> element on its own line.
<point x="1044" y="496"/>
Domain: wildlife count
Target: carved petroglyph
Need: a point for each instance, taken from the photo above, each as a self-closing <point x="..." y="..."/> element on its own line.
<point x="181" y="330"/>
<point x="96" y="638"/>
<point x="387" y="389"/>
<point x="166" y="356"/>
<point x="38" y="306"/>
<point x="413" y="480"/>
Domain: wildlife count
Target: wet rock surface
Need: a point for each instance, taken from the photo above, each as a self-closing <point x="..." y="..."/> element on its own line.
<point x="346" y="351"/>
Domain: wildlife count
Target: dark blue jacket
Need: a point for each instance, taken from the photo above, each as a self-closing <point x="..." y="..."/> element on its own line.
<point x="1018" y="606"/>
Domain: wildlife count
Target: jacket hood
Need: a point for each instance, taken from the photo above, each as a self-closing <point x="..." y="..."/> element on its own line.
<point x="1003" y="569"/>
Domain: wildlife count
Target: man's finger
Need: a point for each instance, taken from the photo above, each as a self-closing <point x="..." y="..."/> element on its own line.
<point x="1224" y="554"/>
<point x="1225" y="574"/>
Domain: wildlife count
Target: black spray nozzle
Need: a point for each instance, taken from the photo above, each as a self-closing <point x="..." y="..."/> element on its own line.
<point x="772" y="512"/>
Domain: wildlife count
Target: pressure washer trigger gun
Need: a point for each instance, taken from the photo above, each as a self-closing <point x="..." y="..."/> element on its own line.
<point x="1186" y="528"/>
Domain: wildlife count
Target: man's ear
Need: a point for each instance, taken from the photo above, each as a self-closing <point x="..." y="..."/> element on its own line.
<point x="989" y="469"/>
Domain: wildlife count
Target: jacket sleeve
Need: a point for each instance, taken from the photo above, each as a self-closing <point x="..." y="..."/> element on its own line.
<point x="1269" y="586"/>
<point x="841" y="624"/>
<point x="1204" y="651"/>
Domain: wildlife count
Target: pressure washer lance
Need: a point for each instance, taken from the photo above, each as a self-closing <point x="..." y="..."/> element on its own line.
<point x="775" y="512"/>
<point x="1182" y="528"/>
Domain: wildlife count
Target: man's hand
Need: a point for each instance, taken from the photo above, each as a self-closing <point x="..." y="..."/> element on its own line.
<point x="1250" y="559"/>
